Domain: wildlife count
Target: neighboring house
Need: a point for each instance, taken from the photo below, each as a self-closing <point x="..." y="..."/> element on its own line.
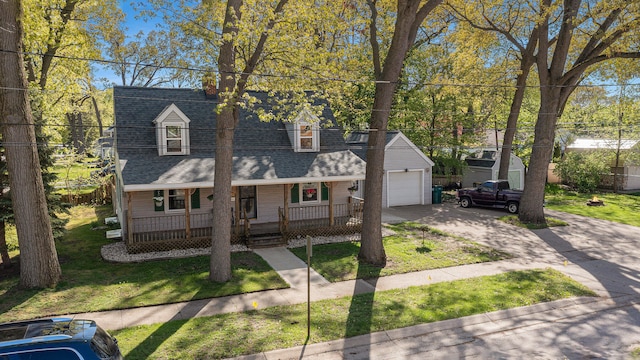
<point x="289" y="177"/>
<point x="628" y="164"/>
<point x="108" y="132"/>
<point x="485" y="165"/>
<point x="103" y="148"/>
<point x="407" y="170"/>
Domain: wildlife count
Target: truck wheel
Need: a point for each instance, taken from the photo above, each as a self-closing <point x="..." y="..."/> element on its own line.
<point x="465" y="202"/>
<point x="513" y="207"/>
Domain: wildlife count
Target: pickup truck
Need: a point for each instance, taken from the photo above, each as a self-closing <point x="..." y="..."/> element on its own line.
<point x="491" y="193"/>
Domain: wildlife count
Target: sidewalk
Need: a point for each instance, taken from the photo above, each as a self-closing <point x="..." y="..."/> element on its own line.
<point x="296" y="275"/>
<point x="600" y="256"/>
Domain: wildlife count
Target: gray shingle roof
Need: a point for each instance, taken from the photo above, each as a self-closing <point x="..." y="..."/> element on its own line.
<point x="357" y="141"/>
<point x="262" y="150"/>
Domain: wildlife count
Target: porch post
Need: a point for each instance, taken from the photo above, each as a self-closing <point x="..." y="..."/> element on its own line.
<point x="287" y="189"/>
<point x="187" y="212"/>
<point x="129" y="220"/>
<point x="236" y="208"/>
<point x="331" y="219"/>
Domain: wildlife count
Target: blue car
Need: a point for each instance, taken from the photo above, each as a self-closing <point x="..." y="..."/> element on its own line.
<point x="56" y="338"/>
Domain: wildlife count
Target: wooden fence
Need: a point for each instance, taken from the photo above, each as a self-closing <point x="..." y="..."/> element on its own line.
<point x="101" y="195"/>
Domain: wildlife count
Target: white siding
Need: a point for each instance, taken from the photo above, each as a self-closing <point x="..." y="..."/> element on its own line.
<point x="515" y="174"/>
<point x="633" y="177"/>
<point x="142" y="204"/>
<point x="271" y="197"/>
<point x="173" y="116"/>
<point x="475" y="175"/>
<point x="401" y="155"/>
<point x="268" y="198"/>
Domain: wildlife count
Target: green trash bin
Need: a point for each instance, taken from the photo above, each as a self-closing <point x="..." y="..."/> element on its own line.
<point x="436" y="194"/>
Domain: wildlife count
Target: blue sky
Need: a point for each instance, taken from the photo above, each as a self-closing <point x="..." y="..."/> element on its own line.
<point x="132" y="22"/>
<point x="134" y="25"/>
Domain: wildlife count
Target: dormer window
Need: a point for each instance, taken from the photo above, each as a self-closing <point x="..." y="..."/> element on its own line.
<point x="172" y="132"/>
<point x="306" y="137"/>
<point x="173" y="137"/>
<point x="307" y="132"/>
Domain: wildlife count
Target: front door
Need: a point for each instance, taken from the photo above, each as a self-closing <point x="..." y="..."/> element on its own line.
<point x="248" y="202"/>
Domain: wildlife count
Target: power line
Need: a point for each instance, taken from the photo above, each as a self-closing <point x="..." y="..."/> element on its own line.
<point x="294" y="77"/>
<point x="559" y="126"/>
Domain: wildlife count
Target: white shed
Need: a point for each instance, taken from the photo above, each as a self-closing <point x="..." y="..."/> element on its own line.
<point x="407" y="170"/>
<point x="486" y="166"/>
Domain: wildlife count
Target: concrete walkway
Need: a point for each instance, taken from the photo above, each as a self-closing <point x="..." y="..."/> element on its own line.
<point x="602" y="255"/>
<point x="293" y="270"/>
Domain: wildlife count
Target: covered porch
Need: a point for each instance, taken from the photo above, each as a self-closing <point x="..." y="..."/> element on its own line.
<point x="194" y="230"/>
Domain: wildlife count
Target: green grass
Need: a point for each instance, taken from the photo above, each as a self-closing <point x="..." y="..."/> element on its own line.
<point x="91" y="284"/>
<point x="513" y="220"/>
<point x="286" y="326"/>
<point x="413" y="247"/>
<point x="73" y="171"/>
<point x="622" y="208"/>
<point x="75" y="176"/>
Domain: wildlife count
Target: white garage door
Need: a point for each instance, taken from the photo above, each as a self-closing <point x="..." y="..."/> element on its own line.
<point x="405" y="188"/>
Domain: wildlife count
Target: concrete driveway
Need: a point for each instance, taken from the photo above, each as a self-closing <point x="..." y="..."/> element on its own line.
<point x="600" y="254"/>
<point x="603" y="255"/>
<point x="607" y="253"/>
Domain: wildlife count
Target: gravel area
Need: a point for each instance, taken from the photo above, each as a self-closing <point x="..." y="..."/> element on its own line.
<point x="117" y="252"/>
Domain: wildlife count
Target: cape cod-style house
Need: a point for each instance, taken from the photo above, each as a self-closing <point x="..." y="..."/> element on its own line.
<point x="291" y="175"/>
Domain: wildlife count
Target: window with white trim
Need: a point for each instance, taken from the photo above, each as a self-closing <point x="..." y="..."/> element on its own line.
<point x="173" y="138"/>
<point x="307" y="136"/>
<point x="310" y="193"/>
<point x="172" y="129"/>
<point x="175" y="199"/>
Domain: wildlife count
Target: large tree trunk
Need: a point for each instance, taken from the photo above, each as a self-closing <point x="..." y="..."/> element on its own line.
<point x="39" y="265"/>
<point x="410" y="16"/>
<point x="98" y="115"/>
<point x="220" y="262"/>
<point x="512" y="120"/>
<point x="372" y="249"/>
<point x="4" y="251"/>
<point x="71" y="120"/>
<point x="81" y="148"/>
<point x="531" y="207"/>
<point x="227" y="120"/>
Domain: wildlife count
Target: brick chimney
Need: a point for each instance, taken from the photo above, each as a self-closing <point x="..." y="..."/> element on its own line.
<point x="209" y="85"/>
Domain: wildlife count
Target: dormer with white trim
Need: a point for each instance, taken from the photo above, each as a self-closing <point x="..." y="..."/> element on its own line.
<point x="172" y="132"/>
<point x="304" y="132"/>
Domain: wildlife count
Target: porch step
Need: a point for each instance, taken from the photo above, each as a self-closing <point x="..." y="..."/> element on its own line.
<point x="265" y="241"/>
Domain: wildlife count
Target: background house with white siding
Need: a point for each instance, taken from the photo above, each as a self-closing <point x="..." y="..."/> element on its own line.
<point x="628" y="166"/>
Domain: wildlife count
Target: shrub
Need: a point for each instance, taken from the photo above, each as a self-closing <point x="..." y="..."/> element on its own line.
<point x="584" y="171"/>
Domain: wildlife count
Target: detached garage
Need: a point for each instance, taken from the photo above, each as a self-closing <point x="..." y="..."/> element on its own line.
<point x="486" y="165"/>
<point x="407" y="170"/>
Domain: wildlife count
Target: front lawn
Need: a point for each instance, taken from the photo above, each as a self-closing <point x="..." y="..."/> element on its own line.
<point x="413" y="247"/>
<point x="622" y="208"/>
<point x="279" y="327"/>
<point x="92" y="284"/>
